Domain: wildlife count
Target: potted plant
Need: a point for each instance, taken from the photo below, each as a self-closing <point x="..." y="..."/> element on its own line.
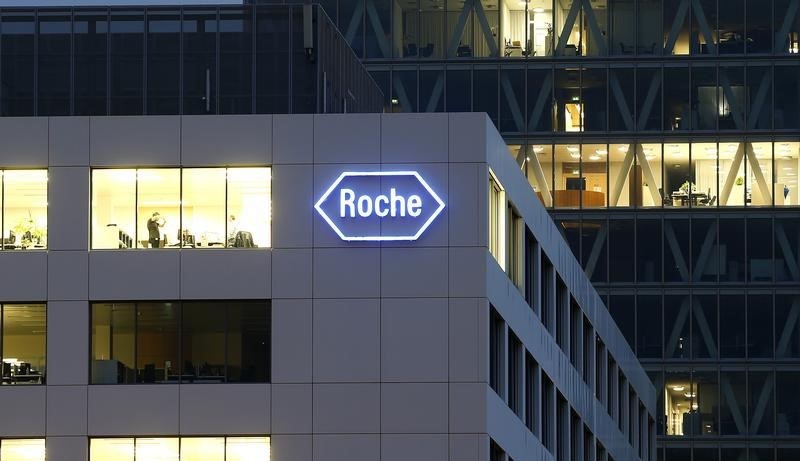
<point x="29" y="233"/>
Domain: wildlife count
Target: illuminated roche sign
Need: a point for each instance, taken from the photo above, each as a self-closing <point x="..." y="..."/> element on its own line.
<point x="379" y="206"/>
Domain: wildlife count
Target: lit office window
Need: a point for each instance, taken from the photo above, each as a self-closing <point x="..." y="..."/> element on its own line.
<point x="181" y="208"/>
<point x="176" y="448"/>
<point x="787" y="157"/>
<point x="22" y="450"/>
<point x="24" y="209"/>
<point x="24" y="330"/>
<point x="189" y="342"/>
<point x="497" y="210"/>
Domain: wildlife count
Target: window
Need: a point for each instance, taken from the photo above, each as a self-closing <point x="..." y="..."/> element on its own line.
<point x="189" y="342"/>
<point x="496" y="219"/>
<point x="514" y="246"/>
<point x="181" y="208"/>
<point x="531" y="392"/>
<point x="22" y="450"/>
<point x="496" y="340"/>
<point x="24" y="332"/>
<point x="515" y="365"/>
<point x="24" y="209"/>
<point x="184" y="448"/>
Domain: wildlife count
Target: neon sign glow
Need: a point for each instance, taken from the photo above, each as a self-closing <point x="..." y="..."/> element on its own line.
<point x="379" y="206"/>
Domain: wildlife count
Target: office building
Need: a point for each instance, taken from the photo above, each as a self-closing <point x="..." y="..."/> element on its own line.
<point x="188" y="276"/>
<point x="171" y="290"/>
<point x="663" y="137"/>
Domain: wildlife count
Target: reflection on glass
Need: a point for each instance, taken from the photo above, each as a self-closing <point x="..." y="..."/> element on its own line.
<point x="157" y="449"/>
<point x="203" y="206"/>
<point x="22" y="450"/>
<point x="539" y="170"/>
<point x="787" y="156"/>
<point x="679" y="184"/>
<point x="593" y="183"/>
<point x="25" y="209"/>
<point x="202" y="449"/>
<point x="174" y="208"/>
<point x="113" y="343"/>
<point x="203" y="342"/>
<point x="111" y="449"/>
<point x="24" y="333"/>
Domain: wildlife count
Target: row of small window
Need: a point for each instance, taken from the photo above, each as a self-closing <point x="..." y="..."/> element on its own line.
<point x="516" y="377"/>
<point x="553" y="28"/>
<point x="707" y="325"/>
<point x="149" y="208"/>
<point x="711" y="402"/>
<point x="180" y="342"/>
<point x="150" y="449"/>
<point x="670" y="175"/>
<point x="648" y="248"/>
<point x="596" y="98"/>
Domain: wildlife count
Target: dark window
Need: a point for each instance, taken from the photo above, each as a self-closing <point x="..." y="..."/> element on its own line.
<point x="235" y="61"/>
<point x="621" y="98"/>
<point x="512" y="98"/>
<point x="17" y="66"/>
<point x="648" y="250"/>
<point x="676" y="250"/>
<point x="199" y="62"/>
<point x="54" y="64"/>
<point x="514" y="373"/>
<point x="787" y="101"/>
<point x="705" y="262"/>
<point x="485" y="92"/>
<point x="594" y="253"/>
<point x="733" y="404"/>
<point x="163" y="62"/>
<point x="787" y="249"/>
<point x="190" y="342"/>
<point x="126" y="52"/>
<point x="677" y="109"/>
<point x="459" y="90"/>
<point x="786" y="24"/>
<point x="404" y="89"/>
<point x="732" y="321"/>
<point x="273" y="65"/>
<point x="622" y="266"/>
<point x="759" y="250"/>
<point x="496" y="340"/>
<point x="431" y="90"/>
<point x="759" y="326"/>
<point x="676" y="326"/>
<point x="623" y="312"/>
<point x="762" y="401"/>
<point x="594" y="99"/>
<point x="304" y="81"/>
<point x="531" y="392"/>
<point x="648" y="97"/>
<point x="540" y="99"/>
<point x="787" y="327"/>
<point x="704" y="326"/>
<point x="648" y="326"/>
<point x="91" y="65"/>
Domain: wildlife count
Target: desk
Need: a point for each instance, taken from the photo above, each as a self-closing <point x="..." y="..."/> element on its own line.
<point x="573" y="198"/>
<point x="680" y="198"/>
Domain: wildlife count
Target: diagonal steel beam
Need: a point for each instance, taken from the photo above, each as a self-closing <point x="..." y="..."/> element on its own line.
<point x="782" y="35"/>
<point x="677" y="23"/>
<point x="619" y="182"/>
<point x="700" y="15"/>
<point x="622" y="104"/>
<point x="541" y="178"/>
<point x="402" y="95"/>
<point x="545" y="94"/>
<point x="647" y="172"/>
<point x="569" y="23"/>
<point x="355" y="21"/>
<point x="705" y="254"/>
<point x="672" y="242"/>
<point x="512" y="100"/>
<point x="461" y="24"/>
<point x="702" y="323"/>
<point x="680" y="321"/>
<point x="485" y="28"/>
<point x="788" y="255"/>
<point x="761" y="404"/>
<point x="380" y="34"/>
<point x="649" y="100"/>
<point x="594" y="27"/>
<point x="788" y="328"/>
<point x="436" y="93"/>
<point x="756" y="169"/>
<point x="730" y="399"/>
<point x="730" y="178"/>
<point x="758" y="101"/>
<point x="597" y="247"/>
<point x="735" y="105"/>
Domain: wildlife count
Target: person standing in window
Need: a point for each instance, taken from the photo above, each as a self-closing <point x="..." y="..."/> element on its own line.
<point x="154" y="234"/>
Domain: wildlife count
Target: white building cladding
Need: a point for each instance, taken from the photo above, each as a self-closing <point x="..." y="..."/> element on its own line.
<point x="427" y="349"/>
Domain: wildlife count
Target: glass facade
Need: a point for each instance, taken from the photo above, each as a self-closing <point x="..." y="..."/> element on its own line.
<point x="181" y="208"/>
<point x="180" y="342"/>
<point x="182" y="60"/>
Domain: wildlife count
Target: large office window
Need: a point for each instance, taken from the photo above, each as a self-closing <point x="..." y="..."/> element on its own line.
<point x="24" y="205"/>
<point x="188" y="342"/>
<point x="22" y="450"/>
<point x="181" y="208"/>
<point x="174" y="448"/>
<point x="496" y="220"/>
<point x="24" y="330"/>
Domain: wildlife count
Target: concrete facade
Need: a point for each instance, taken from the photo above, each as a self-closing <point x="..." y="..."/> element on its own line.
<point x="379" y="350"/>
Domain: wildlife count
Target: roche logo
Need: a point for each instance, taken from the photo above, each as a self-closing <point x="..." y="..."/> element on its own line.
<point x="379" y="206"/>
